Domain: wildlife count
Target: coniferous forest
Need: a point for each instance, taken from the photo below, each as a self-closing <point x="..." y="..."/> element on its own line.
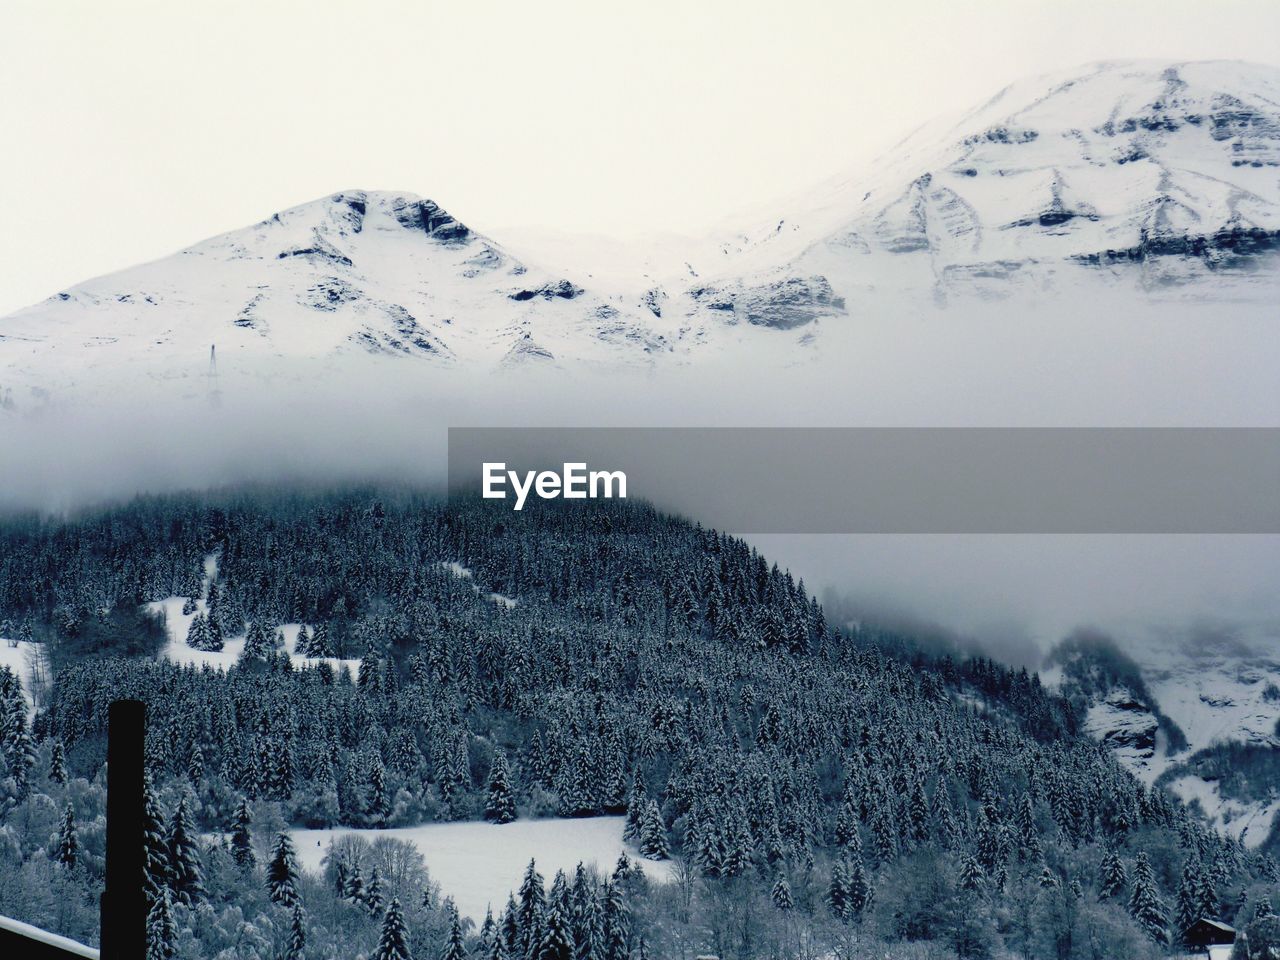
<point x="820" y="790"/>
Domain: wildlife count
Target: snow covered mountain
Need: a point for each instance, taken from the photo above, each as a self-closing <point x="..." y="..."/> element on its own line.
<point x="1163" y="178"/>
<point x="1158" y="173"/>
<point x="384" y="273"/>
<point x="1197" y="711"/>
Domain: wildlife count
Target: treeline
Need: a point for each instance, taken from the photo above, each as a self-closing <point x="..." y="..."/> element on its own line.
<point x="820" y="790"/>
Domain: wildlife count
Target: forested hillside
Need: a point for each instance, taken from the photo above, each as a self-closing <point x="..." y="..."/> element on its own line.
<point x="821" y="792"/>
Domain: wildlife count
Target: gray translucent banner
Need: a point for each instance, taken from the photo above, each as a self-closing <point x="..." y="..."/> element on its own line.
<point x="834" y="480"/>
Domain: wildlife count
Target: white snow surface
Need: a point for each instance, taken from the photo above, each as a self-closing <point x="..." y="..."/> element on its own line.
<point x="479" y="864"/>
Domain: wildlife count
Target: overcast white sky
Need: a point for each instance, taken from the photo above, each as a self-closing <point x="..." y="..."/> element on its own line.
<point x="131" y="129"/>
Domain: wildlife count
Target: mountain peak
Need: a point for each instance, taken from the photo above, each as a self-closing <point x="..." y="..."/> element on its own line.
<point x="1156" y="176"/>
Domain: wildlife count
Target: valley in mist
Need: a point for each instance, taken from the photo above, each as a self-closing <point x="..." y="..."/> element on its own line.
<point x="1119" y="360"/>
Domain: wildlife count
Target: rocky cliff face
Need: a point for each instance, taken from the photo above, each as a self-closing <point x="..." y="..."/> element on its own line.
<point x="1195" y="712"/>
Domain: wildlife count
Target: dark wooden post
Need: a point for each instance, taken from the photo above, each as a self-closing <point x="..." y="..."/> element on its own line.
<point x="124" y="907"/>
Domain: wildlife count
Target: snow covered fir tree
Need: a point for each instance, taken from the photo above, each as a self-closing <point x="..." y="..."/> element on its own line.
<point x="788" y="787"/>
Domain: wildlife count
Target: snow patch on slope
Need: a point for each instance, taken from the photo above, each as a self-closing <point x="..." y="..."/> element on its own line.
<point x="479" y="864"/>
<point x="465" y="573"/>
<point x="1250" y="822"/>
<point x="178" y="624"/>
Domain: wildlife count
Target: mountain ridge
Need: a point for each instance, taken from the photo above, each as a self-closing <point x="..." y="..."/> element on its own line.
<point x="1152" y="177"/>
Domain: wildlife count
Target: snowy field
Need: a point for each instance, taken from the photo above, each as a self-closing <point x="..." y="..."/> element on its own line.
<point x="478" y="864"/>
<point x="178" y="623"/>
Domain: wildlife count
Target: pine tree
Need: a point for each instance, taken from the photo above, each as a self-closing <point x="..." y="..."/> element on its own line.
<point x="858" y="893"/>
<point x="57" y="764"/>
<point x="353" y="886"/>
<point x="455" y="948"/>
<point x="637" y="801"/>
<point x="653" y="834"/>
<point x="320" y="645"/>
<point x="510" y="933"/>
<point x="214" y="630"/>
<point x="918" y="814"/>
<point x="588" y="933"/>
<point x="282" y="873"/>
<point x="846" y="825"/>
<point x="297" y="935"/>
<point x="257" y="645"/>
<point x="195" y="766"/>
<point x="393" y="944"/>
<point x="533" y="900"/>
<point x="197" y="634"/>
<point x="781" y="894"/>
<point x="157" y="847"/>
<point x="989" y="841"/>
<point x="497" y="949"/>
<point x="68" y="843"/>
<point x="367" y="675"/>
<point x="1113" y="878"/>
<point x="736" y="840"/>
<point x="379" y="804"/>
<point x="373" y="898"/>
<point x="457" y="780"/>
<point x="500" y="805"/>
<point x="617" y="923"/>
<point x="556" y="942"/>
<point x="184" y="859"/>
<point x="241" y="839"/>
<point x="577" y="792"/>
<point x="885" y="834"/>
<point x="1263" y="909"/>
<point x="162" y="932"/>
<point x="944" y="819"/>
<point x="487" y="929"/>
<point x="971" y="873"/>
<point x="1145" y="905"/>
<point x="1029" y="848"/>
<point x="838" y="890"/>
<point x="16" y="746"/>
<point x="1196" y="897"/>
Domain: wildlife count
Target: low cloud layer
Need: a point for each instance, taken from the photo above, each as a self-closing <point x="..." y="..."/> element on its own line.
<point x="1115" y="364"/>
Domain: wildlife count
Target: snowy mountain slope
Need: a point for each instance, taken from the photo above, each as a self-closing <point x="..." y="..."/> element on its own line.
<point x="1159" y="178"/>
<point x="1197" y="694"/>
<point x="382" y="273"/>
<point x="1152" y="173"/>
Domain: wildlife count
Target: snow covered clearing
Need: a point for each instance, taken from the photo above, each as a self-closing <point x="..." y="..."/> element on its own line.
<point x="478" y="864"/>
<point x="178" y="623"/>
<point x="463" y="573"/>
